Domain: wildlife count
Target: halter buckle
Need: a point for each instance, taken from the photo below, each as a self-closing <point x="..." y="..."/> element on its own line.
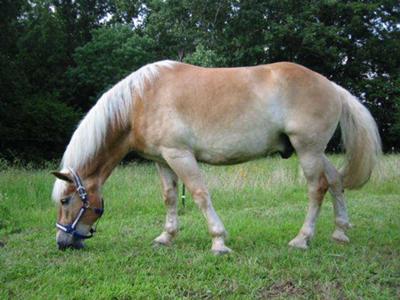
<point x="82" y="193"/>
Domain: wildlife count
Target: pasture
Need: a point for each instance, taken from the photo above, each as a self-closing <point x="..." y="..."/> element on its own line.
<point x="262" y="204"/>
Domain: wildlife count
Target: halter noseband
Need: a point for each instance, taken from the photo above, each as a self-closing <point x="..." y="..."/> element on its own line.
<point x="81" y="190"/>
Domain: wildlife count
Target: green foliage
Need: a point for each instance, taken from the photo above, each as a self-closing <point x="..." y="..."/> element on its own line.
<point x="39" y="129"/>
<point x="43" y="51"/>
<point x="179" y="26"/>
<point x="383" y="97"/>
<point x="113" y="53"/>
<point x="203" y="57"/>
<point x="61" y="117"/>
<point x="73" y="51"/>
<point x="395" y="130"/>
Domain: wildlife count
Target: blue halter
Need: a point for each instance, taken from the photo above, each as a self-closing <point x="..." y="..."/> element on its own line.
<point x="71" y="228"/>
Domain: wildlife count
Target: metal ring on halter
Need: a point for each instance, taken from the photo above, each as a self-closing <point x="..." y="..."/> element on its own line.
<point x="81" y="190"/>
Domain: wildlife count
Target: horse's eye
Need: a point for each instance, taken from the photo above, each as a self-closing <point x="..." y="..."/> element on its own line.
<point x="65" y="201"/>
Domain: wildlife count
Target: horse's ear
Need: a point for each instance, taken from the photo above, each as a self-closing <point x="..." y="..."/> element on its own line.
<point x="63" y="176"/>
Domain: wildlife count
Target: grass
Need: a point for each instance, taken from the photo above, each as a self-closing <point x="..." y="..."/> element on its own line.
<point x="262" y="204"/>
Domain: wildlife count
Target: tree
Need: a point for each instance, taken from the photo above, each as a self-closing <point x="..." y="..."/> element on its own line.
<point x="354" y="43"/>
<point x="204" y="57"/>
<point x="113" y="53"/>
<point x="60" y="55"/>
<point x="179" y="26"/>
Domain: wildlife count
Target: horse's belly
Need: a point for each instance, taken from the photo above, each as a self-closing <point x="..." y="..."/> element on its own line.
<point x="231" y="149"/>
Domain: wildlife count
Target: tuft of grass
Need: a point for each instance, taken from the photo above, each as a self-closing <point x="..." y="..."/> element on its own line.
<point x="262" y="204"/>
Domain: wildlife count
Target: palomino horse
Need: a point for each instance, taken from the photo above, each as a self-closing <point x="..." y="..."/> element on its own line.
<point x="177" y="114"/>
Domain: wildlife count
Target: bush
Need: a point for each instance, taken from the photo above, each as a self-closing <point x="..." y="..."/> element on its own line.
<point x="36" y="129"/>
<point x="113" y="53"/>
<point x="204" y="57"/>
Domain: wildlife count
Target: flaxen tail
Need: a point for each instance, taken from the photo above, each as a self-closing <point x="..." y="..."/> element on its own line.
<point x="361" y="141"/>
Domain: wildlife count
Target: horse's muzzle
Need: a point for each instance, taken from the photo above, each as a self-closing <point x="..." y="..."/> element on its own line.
<point x="65" y="241"/>
<point x="75" y="245"/>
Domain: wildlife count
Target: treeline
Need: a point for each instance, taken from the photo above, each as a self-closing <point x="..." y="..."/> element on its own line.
<point x="58" y="56"/>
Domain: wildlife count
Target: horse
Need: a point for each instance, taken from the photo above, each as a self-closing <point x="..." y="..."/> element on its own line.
<point x="177" y="115"/>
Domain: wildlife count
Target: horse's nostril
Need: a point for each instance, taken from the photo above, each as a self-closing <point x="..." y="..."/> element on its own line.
<point x="75" y="245"/>
<point x="78" y="244"/>
<point x="62" y="246"/>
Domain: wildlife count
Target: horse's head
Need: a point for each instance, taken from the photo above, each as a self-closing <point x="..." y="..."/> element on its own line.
<point x="78" y="209"/>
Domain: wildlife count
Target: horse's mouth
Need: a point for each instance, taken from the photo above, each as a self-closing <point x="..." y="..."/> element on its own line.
<point x="76" y="245"/>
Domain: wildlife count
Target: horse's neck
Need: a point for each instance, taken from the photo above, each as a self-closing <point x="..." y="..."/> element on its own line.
<point x="99" y="167"/>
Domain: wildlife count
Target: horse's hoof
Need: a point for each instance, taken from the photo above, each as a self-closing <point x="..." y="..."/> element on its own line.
<point x="162" y="240"/>
<point x="221" y="250"/>
<point x="299" y="243"/>
<point x="340" y="237"/>
<point x="157" y="243"/>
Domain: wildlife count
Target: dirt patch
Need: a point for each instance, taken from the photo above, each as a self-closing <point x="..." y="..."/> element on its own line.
<point x="281" y="290"/>
<point x="332" y="290"/>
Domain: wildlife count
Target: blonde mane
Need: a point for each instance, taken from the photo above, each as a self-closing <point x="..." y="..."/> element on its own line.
<point x="113" y="107"/>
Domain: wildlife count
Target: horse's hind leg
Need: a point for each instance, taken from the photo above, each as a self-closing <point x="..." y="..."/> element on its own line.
<point x="313" y="167"/>
<point x="185" y="166"/>
<point x="169" y="182"/>
<point x="339" y="206"/>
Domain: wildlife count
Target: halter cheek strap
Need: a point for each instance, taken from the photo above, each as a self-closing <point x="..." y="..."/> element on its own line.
<point x="71" y="228"/>
<point x="81" y="190"/>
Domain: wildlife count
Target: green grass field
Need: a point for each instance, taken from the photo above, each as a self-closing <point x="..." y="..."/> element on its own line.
<point x="262" y="204"/>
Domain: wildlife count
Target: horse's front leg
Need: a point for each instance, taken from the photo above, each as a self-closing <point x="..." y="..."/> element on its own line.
<point x="185" y="166"/>
<point x="169" y="182"/>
